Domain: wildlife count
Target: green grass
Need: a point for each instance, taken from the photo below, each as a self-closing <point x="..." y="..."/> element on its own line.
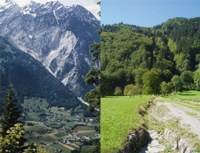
<point x="60" y="111"/>
<point x="36" y="128"/>
<point x="47" y="138"/>
<point x="35" y="103"/>
<point x="83" y="128"/>
<point x="87" y="134"/>
<point x="189" y="99"/>
<point x="187" y="95"/>
<point x="60" y="147"/>
<point x="119" y="117"/>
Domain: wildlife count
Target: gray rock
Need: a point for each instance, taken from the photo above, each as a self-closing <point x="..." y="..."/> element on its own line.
<point x="189" y="150"/>
<point x="182" y="146"/>
<point x="136" y="140"/>
<point x="154" y="146"/>
<point x="57" y="36"/>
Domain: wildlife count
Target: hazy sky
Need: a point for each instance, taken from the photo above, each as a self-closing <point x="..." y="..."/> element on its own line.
<point x="91" y="5"/>
<point x="147" y="12"/>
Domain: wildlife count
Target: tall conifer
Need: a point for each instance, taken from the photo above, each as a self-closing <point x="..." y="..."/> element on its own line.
<point x="11" y="113"/>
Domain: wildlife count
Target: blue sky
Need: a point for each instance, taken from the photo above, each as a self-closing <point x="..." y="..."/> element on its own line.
<point x="147" y="13"/>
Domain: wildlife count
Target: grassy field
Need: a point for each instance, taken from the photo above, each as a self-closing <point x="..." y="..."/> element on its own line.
<point x="119" y="117"/>
<point x="60" y="147"/>
<point x="190" y="99"/>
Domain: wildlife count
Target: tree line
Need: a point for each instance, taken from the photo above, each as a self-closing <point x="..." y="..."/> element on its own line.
<point x="162" y="59"/>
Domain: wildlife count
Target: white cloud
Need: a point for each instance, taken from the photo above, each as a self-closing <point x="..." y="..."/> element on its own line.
<point x="91" y="5"/>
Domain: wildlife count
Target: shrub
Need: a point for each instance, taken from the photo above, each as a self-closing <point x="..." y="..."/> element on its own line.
<point x="117" y="91"/>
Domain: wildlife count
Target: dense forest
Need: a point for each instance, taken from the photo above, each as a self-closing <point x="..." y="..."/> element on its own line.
<point x="161" y="59"/>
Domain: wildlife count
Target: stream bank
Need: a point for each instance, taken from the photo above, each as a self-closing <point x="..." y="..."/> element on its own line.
<point x="168" y="132"/>
<point x="163" y="131"/>
<point x="136" y="140"/>
<point x="140" y="137"/>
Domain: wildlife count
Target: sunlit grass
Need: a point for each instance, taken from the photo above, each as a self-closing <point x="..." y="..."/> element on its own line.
<point x="119" y="116"/>
<point x="189" y="99"/>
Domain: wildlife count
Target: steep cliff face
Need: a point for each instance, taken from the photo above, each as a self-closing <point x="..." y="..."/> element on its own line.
<point x="57" y="36"/>
<point x="30" y="78"/>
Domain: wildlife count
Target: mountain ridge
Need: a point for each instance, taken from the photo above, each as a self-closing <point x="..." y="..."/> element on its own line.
<point x="57" y="36"/>
<point x="30" y="78"/>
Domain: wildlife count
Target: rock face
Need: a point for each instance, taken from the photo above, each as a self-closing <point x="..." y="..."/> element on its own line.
<point x="57" y="36"/>
<point x="136" y="140"/>
<point x="30" y="79"/>
<point x="154" y="146"/>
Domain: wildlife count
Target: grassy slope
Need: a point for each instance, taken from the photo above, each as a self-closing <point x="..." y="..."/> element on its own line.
<point x="119" y="117"/>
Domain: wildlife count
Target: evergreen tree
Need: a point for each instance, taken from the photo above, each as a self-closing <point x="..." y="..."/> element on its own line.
<point x="11" y="112"/>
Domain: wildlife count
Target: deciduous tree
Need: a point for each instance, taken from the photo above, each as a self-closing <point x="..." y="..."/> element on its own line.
<point x="151" y="82"/>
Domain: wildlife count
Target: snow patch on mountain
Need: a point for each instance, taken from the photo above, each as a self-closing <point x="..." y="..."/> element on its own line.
<point x="54" y="13"/>
<point x="69" y="76"/>
<point x="27" y="11"/>
<point x="6" y="5"/>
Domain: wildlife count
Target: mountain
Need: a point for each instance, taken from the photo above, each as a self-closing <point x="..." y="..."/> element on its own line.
<point x="30" y="78"/>
<point x="169" y="52"/>
<point x="56" y="35"/>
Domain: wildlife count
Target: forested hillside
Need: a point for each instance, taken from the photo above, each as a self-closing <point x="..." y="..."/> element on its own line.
<point x="29" y="78"/>
<point x="153" y="60"/>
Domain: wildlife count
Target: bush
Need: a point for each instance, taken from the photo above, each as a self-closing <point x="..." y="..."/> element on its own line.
<point x="166" y="88"/>
<point x="131" y="90"/>
<point x="117" y="91"/>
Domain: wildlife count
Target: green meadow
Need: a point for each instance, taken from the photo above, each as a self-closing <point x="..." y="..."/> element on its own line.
<point x="188" y="98"/>
<point x="119" y="117"/>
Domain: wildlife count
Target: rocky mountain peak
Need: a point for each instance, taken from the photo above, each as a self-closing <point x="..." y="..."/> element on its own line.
<point x="7" y="4"/>
<point x="54" y="4"/>
<point x="57" y="36"/>
<point x="83" y="13"/>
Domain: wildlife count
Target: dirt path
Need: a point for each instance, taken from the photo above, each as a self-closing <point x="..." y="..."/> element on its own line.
<point x="166" y="114"/>
<point x="187" y="121"/>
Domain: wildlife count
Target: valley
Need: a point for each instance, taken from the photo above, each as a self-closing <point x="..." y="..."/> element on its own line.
<point x="57" y="128"/>
<point x="44" y="56"/>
